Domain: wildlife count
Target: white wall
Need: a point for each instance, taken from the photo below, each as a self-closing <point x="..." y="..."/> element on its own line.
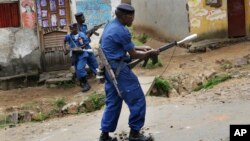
<point x="168" y="18"/>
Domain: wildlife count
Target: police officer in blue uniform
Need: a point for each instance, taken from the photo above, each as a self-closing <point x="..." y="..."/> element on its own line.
<point x="115" y="43"/>
<point x="77" y="41"/>
<point x="82" y="27"/>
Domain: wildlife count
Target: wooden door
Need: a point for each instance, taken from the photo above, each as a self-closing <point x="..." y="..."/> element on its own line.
<point x="236" y="18"/>
<point x="53" y="20"/>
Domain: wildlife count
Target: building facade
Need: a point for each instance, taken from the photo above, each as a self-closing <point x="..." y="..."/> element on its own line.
<point x="174" y="19"/>
<point x="32" y="32"/>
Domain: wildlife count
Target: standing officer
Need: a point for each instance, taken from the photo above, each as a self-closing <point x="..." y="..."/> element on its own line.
<point x="82" y="27"/>
<point x="78" y="41"/>
<point x="115" y="43"/>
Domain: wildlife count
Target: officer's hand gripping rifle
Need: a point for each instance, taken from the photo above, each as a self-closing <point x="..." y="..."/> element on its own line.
<point x="94" y="29"/>
<point x="77" y="49"/>
<point x="163" y="48"/>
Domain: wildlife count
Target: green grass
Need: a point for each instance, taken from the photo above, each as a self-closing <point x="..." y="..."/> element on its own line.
<point x="40" y="116"/>
<point x="150" y="64"/>
<point x="142" y="38"/>
<point x="162" y="85"/>
<point x="226" y="66"/>
<point x="98" y="100"/>
<point x="65" y="84"/>
<point x="4" y="121"/>
<point x="213" y="81"/>
<point x="137" y="42"/>
<point x="59" y="103"/>
<point x="138" y="39"/>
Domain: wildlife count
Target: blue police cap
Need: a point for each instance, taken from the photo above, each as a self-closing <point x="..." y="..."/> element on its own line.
<point x="73" y="25"/>
<point x="78" y="14"/>
<point x="126" y="8"/>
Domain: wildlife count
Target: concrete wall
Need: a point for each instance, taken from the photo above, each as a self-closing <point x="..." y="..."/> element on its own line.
<point x="113" y="4"/>
<point x="19" y="49"/>
<point x="168" y="18"/>
<point x="207" y="21"/>
<point x="210" y="22"/>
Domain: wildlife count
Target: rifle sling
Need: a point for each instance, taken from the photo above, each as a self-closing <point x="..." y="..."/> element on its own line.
<point x="118" y="69"/>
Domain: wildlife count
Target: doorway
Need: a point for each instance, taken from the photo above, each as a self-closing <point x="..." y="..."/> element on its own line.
<point x="236" y="18"/>
<point x="53" y="20"/>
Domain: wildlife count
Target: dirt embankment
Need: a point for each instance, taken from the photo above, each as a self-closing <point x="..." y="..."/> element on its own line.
<point x="176" y="62"/>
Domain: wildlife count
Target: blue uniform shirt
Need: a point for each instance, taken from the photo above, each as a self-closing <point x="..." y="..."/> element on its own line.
<point x="73" y="42"/>
<point x="116" y="40"/>
<point x="83" y="28"/>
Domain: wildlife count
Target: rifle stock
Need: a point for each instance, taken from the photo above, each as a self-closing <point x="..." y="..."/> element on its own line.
<point x="162" y="48"/>
<point x="109" y="70"/>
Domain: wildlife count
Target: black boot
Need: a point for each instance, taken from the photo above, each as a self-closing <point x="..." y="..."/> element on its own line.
<point x="84" y="84"/>
<point x="137" y="136"/>
<point x="105" y="137"/>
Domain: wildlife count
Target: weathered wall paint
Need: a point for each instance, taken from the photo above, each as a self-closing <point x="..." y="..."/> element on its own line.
<point x="168" y="18"/>
<point x="19" y="46"/>
<point x="95" y="11"/>
<point x="206" y="21"/>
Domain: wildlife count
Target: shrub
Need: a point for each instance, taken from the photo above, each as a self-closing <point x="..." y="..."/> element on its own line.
<point x="213" y="81"/>
<point x="161" y="88"/>
<point x="98" y="100"/>
<point x="150" y="64"/>
<point x="4" y="121"/>
<point x="59" y="103"/>
<point x="142" y="38"/>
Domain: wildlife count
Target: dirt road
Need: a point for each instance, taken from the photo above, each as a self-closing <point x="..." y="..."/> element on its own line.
<point x="203" y="118"/>
<point x="199" y="116"/>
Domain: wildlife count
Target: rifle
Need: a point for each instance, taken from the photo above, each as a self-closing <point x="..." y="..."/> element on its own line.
<point x="109" y="70"/>
<point x="77" y="49"/>
<point x="162" y="48"/>
<point x="93" y="30"/>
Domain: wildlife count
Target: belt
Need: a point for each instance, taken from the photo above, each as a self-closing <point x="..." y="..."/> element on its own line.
<point x="119" y="67"/>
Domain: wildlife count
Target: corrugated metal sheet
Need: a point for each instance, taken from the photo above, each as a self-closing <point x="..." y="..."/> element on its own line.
<point x="53" y="52"/>
<point x="9" y="15"/>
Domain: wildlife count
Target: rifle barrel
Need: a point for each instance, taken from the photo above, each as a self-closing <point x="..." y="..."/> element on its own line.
<point x="167" y="46"/>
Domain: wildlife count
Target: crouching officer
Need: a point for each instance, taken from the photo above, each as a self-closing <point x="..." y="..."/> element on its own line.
<point x="115" y="43"/>
<point x="82" y="27"/>
<point x="78" y="41"/>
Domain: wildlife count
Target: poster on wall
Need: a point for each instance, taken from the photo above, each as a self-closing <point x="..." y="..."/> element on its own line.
<point x="28" y="13"/>
<point x="61" y="2"/>
<point x="39" y="12"/>
<point x="45" y="23"/>
<point x="63" y="22"/>
<point x="95" y="11"/>
<point x="62" y="12"/>
<point x="44" y="13"/>
<point x="43" y="3"/>
<point x="52" y="5"/>
<point x="53" y="20"/>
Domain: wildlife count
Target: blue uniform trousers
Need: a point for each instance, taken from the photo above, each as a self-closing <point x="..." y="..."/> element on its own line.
<point x="92" y="62"/>
<point x="80" y="64"/>
<point x="133" y="96"/>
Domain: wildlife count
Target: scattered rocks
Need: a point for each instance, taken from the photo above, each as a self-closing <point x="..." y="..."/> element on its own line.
<point x="240" y="61"/>
<point x="70" y="108"/>
<point x="211" y="44"/>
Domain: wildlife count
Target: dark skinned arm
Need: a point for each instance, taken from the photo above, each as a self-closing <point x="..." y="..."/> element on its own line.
<point x="142" y="54"/>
